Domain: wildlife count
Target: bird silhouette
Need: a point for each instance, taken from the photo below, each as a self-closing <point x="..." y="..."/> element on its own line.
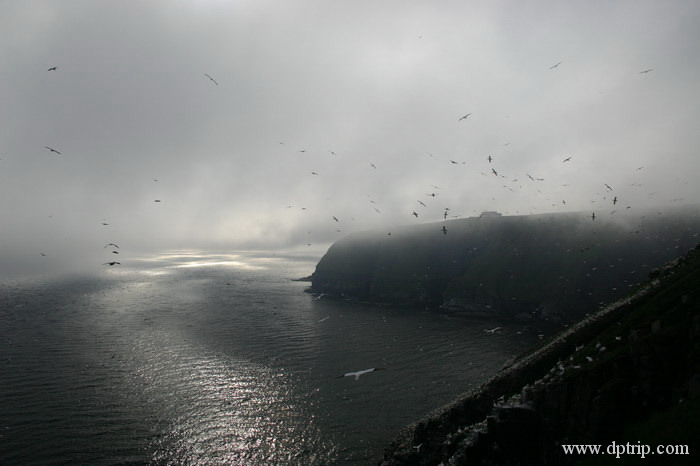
<point x="212" y="79"/>
<point x="608" y="186"/>
<point x="494" y="172"/>
<point x="357" y="374"/>
<point x="111" y="244"/>
<point x="490" y="159"/>
<point x="464" y="117"/>
<point x="373" y="166"/>
<point x="566" y="159"/>
<point x="336" y="219"/>
<point x="415" y="214"/>
<point x="593" y="216"/>
<point x="53" y="68"/>
<point x="53" y="150"/>
<point x="615" y="200"/>
<point x="112" y="263"/>
<point x="421" y="203"/>
<point x="646" y="71"/>
<point x="444" y="230"/>
<point x="554" y="66"/>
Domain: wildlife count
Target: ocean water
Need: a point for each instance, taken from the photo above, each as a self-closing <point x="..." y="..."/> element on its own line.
<point x="207" y="358"/>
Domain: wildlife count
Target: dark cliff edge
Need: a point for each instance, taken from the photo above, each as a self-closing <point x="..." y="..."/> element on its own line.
<point x="628" y="373"/>
<point x="552" y="266"/>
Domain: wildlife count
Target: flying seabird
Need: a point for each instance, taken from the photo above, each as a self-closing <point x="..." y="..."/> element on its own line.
<point x="444" y="215"/>
<point x="490" y="159"/>
<point x="453" y="162"/>
<point x="110" y="244"/>
<point x="157" y="200"/>
<point x="608" y="186"/>
<point x="646" y="71"/>
<point x="421" y="203"/>
<point x="615" y="200"/>
<point x="414" y="213"/>
<point x="566" y="159"/>
<point x="464" y="117"/>
<point x="444" y="230"/>
<point x="53" y="150"/>
<point x="335" y="219"/>
<point x="494" y="172"/>
<point x="212" y="79"/>
<point x="359" y="373"/>
<point x="314" y="173"/>
<point x="373" y="166"/>
<point x="554" y="66"/>
<point x="492" y="330"/>
<point x="593" y="216"/>
<point x="112" y="263"/>
<point x="528" y="175"/>
<point x="53" y="68"/>
<point x="42" y="254"/>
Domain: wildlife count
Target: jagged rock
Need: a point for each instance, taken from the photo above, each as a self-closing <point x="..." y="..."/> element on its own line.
<point x="652" y="372"/>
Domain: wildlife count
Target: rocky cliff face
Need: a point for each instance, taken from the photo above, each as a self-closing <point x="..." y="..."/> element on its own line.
<point x="542" y="265"/>
<point x="630" y="373"/>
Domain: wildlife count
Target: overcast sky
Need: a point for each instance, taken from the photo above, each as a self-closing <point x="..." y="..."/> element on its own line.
<point x="335" y="88"/>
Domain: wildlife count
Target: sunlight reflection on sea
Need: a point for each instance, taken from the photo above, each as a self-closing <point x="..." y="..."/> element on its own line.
<point x="205" y="358"/>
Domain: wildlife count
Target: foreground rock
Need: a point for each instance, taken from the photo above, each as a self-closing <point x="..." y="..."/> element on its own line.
<point x="630" y="373"/>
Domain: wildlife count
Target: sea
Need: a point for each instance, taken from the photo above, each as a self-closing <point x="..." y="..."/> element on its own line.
<point x="206" y="358"/>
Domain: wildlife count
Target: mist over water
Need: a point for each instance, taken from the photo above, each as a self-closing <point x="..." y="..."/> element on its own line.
<point x="212" y="359"/>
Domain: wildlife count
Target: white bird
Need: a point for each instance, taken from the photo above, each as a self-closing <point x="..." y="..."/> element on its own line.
<point x="359" y="373"/>
<point x="492" y="330"/>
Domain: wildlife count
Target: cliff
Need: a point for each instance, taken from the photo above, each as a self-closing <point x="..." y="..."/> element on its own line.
<point x="553" y="265"/>
<point x="629" y="373"/>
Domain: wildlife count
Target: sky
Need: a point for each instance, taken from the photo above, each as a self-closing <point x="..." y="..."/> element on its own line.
<point x="323" y="109"/>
